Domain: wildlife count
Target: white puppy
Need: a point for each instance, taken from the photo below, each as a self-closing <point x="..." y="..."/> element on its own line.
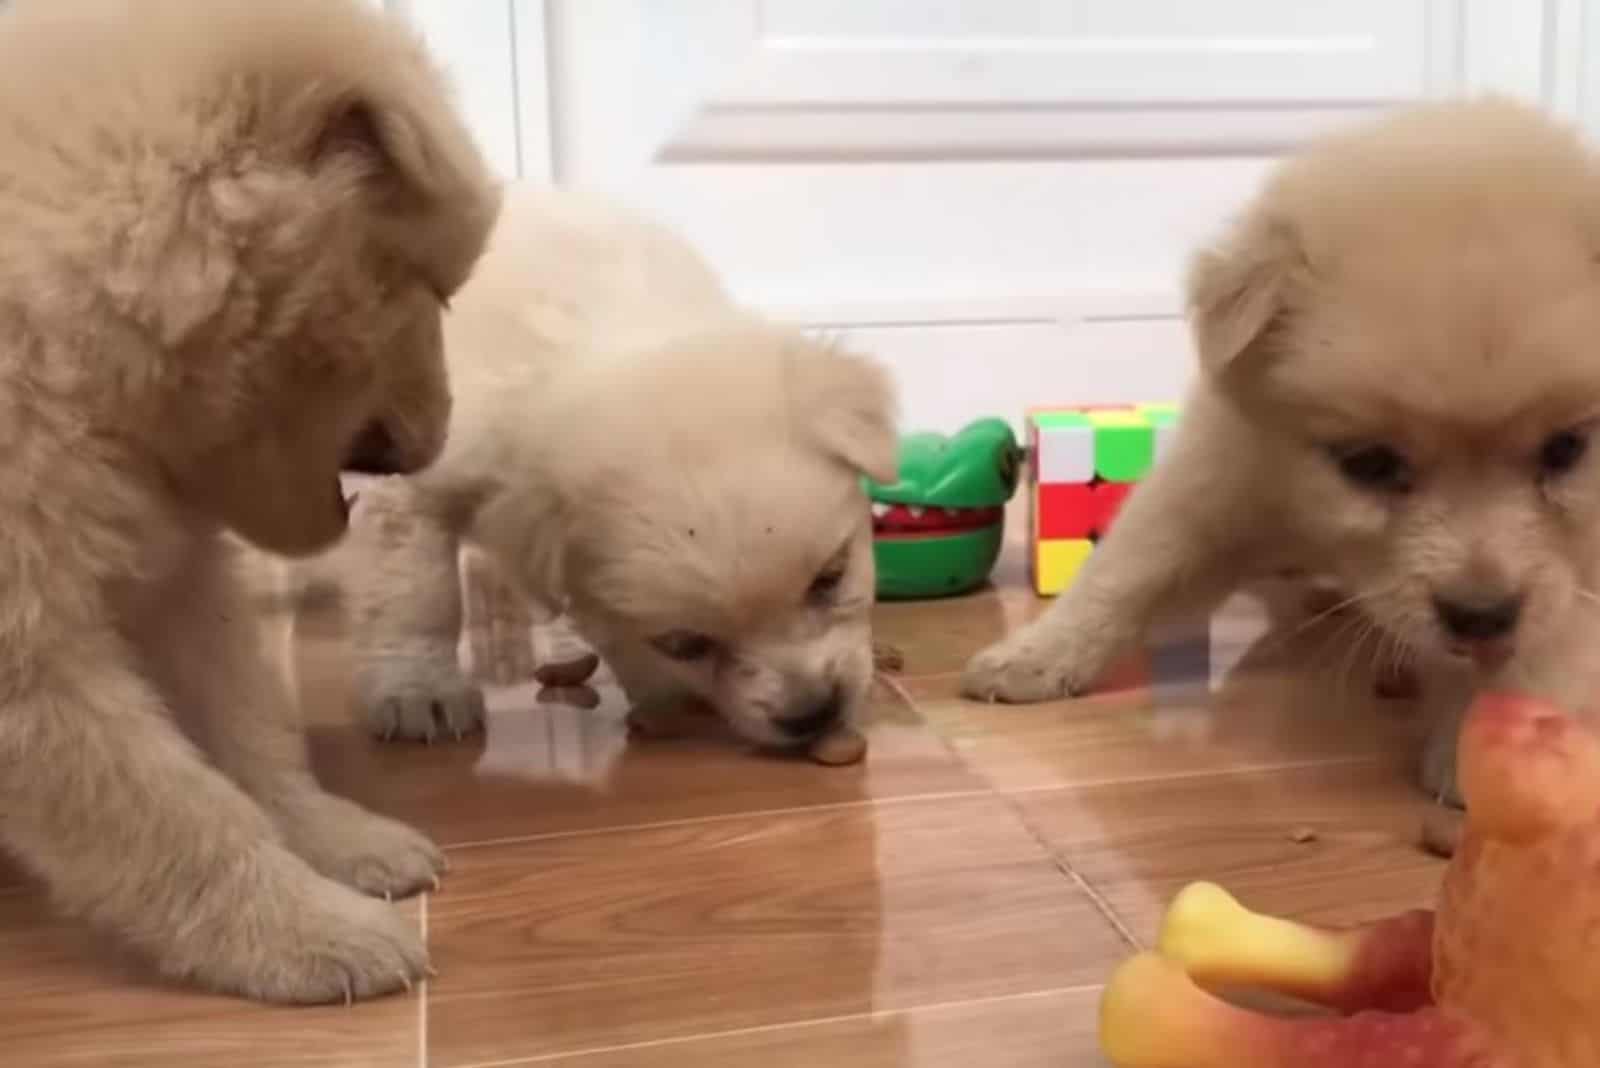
<point x="1399" y="389"/>
<point x="226" y="228"/>
<point x="680" y="475"/>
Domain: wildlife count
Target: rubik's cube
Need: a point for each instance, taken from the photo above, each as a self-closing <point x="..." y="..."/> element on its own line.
<point x="1086" y="460"/>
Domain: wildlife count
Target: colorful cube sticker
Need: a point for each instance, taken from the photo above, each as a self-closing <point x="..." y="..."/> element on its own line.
<point x="1057" y="562"/>
<point x="1124" y="445"/>
<point x="1064" y="445"/>
<point x="1066" y="510"/>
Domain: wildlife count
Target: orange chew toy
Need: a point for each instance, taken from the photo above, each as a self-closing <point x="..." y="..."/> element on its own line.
<point x="1506" y="974"/>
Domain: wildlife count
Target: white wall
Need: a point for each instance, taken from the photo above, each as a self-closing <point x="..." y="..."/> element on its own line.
<point x="994" y="196"/>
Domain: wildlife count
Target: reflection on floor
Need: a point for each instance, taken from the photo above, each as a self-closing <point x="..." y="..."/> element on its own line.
<point x="955" y="900"/>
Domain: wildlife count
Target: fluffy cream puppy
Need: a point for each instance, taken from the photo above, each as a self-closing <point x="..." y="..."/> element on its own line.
<point x="1399" y="385"/>
<point x="226" y="227"/>
<point x="680" y="475"/>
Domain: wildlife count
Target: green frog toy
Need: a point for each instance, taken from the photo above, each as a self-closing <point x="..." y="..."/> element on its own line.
<point x="938" y="530"/>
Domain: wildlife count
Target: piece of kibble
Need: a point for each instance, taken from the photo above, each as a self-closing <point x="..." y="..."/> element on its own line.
<point x="574" y="672"/>
<point x="1303" y="835"/>
<point x="1441" y="831"/>
<point x="886" y="657"/>
<point x="843" y="746"/>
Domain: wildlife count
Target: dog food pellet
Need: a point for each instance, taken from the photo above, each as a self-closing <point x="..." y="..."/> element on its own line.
<point x="1303" y="835"/>
<point x="844" y="746"/>
<point x="573" y="672"/>
<point x="886" y="657"/>
<point x="1441" y="831"/>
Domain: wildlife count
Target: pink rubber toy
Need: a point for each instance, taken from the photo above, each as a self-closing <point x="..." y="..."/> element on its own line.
<point x="1506" y="974"/>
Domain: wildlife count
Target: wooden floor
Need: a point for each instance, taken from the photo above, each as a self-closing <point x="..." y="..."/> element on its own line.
<point x="955" y="901"/>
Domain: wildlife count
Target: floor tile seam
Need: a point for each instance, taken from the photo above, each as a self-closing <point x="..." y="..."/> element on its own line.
<point x="422" y="987"/>
<point x="1101" y="902"/>
<point x="788" y="1025"/>
<point x="1058" y="858"/>
<point x="944" y="740"/>
<point x="721" y="817"/>
<point x="1191" y="776"/>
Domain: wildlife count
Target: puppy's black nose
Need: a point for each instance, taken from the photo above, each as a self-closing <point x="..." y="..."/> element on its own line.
<point x="816" y="720"/>
<point x="1478" y="619"/>
<point x="374" y="452"/>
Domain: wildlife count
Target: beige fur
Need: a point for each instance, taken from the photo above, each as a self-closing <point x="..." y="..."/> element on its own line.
<point x="1429" y="283"/>
<point x="225" y="229"/>
<point x="631" y="446"/>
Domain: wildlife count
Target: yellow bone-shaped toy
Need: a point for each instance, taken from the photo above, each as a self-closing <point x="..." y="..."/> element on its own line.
<point x="1506" y="974"/>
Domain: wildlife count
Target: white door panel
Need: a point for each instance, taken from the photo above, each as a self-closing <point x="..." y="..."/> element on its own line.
<point x="997" y="195"/>
<point x="1085" y="50"/>
<point x="647" y="82"/>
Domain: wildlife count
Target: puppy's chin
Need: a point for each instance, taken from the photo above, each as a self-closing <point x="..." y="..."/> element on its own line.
<point x="280" y="504"/>
<point x="318" y="521"/>
<point x="760" y="730"/>
<point x="293" y="507"/>
<point x="1487" y="660"/>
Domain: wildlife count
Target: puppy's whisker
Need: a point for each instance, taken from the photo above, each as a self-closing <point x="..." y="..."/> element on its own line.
<point x="1358" y="655"/>
<point x="1341" y="689"/>
<point x="1391" y="651"/>
<point x="1351" y="660"/>
<point x="1355" y="600"/>
<point x="1321" y="655"/>
<point x="1348" y="602"/>
<point x="1330" y="644"/>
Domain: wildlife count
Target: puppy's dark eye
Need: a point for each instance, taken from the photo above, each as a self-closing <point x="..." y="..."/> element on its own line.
<point x="1376" y="467"/>
<point x="685" y="645"/>
<point x="826" y="584"/>
<point x="1561" y="452"/>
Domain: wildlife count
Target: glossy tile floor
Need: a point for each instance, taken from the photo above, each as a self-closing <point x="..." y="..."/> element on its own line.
<point x="956" y="900"/>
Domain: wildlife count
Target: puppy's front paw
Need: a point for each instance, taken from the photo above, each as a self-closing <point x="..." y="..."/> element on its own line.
<point x="1030" y="666"/>
<point x="421" y="699"/>
<point x="295" y="937"/>
<point x="372" y="853"/>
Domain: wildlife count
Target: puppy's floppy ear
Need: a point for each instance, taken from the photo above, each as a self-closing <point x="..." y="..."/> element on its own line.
<point x="1238" y="289"/>
<point x="384" y="140"/>
<point x="421" y="178"/>
<point x="847" y="403"/>
<point x="355" y="130"/>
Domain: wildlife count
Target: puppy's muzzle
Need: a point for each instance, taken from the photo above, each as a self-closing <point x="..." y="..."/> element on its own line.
<point x="815" y="720"/>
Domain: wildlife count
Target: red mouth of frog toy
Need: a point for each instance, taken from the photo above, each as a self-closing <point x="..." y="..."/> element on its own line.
<point x="911" y="520"/>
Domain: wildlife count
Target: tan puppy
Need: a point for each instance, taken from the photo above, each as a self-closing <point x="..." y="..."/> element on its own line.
<point x="681" y="476"/>
<point x="226" y="227"/>
<point x="1400" y="383"/>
